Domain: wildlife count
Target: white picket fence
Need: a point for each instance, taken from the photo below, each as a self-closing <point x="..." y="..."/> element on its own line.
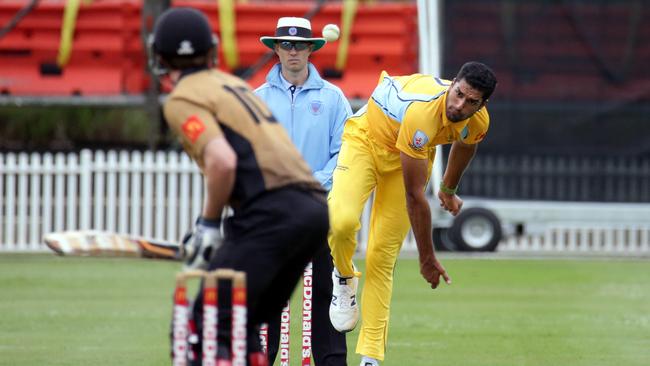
<point x="570" y="226"/>
<point x="633" y="239"/>
<point x="158" y="195"/>
<point x="155" y="195"/>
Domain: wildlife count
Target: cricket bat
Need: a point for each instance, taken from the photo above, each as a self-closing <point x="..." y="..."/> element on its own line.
<point x="92" y="243"/>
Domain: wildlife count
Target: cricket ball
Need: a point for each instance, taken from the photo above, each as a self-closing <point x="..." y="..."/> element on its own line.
<point x="331" y="32"/>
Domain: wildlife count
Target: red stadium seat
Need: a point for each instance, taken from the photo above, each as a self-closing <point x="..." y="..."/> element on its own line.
<point x="375" y="44"/>
<point x="103" y="60"/>
<point x="108" y="58"/>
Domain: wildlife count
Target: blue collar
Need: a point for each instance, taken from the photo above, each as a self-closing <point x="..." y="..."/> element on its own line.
<point x="286" y="84"/>
<point x="314" y="81"/>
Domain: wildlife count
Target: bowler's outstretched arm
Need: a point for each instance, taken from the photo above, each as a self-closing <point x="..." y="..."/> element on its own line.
<point x="415" y="179"/>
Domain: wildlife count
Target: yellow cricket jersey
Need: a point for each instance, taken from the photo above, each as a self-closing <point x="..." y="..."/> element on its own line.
<point x="407" y="114"/>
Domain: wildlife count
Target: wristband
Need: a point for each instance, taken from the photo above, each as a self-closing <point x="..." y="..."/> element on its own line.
<point x="213" y="224"/>
<point x="447" y="190"/>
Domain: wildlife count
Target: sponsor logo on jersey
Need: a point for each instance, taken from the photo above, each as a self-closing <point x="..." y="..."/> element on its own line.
<point x="315" y="107"/>
<point x="419" y="140"/>
<point x="193" y="127"/>
<point x="479" y="137"/>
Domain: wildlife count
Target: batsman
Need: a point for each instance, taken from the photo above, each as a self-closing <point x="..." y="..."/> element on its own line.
<point x="248" y="162"/>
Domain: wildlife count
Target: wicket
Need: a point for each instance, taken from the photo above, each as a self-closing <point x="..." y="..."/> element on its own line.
<point x="283" y="351"/>
<point x="182" y="327"/>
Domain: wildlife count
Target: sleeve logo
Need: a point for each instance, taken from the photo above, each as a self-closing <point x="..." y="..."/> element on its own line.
<point x="193" y="127"/>
<point x="420" y="139"/>
<point x="464" y="133"/>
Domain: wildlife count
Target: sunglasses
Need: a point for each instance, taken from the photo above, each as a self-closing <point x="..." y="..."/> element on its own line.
<point x="298" y="46"/>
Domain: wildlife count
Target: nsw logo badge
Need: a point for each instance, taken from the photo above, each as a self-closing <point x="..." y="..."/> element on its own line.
<point x="420" y="139"/>
<point x="315" y="107"/>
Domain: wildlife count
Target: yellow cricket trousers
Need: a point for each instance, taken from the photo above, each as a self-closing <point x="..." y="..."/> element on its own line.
<point x="362" y="167"/>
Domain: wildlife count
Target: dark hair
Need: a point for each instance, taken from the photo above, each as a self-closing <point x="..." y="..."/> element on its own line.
<point x="479" y="76"/>
<point x="180" y="63"/>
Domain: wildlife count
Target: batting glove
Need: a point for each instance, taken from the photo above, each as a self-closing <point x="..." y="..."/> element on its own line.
<point x="201" y="244"/>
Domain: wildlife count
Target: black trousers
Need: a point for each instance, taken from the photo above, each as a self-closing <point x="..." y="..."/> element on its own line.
<point x="328" y="345"/>
<point x="271" y="239"/>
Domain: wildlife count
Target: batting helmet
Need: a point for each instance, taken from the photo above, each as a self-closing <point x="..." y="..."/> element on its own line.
<point x="179" y="33"/>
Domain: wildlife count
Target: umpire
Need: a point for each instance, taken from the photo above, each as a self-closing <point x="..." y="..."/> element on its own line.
<point x="248" y="162"/>
<point x="313" y="111"/>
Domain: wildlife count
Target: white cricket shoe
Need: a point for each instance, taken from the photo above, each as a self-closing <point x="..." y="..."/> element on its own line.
<point x="344" y="309"/>
<point x="368" y="361"/>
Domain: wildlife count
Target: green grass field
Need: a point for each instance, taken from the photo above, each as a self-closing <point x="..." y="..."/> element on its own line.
<point x="90" y="311"/>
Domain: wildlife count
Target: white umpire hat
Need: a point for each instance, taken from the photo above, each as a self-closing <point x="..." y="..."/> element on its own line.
<point x="293" y="29"/>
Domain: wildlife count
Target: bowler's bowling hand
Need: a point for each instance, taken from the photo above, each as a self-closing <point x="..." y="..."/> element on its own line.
<point x="432" y="270"/>
<point x="201" y="244"/>
<point x="450" y="202"/>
